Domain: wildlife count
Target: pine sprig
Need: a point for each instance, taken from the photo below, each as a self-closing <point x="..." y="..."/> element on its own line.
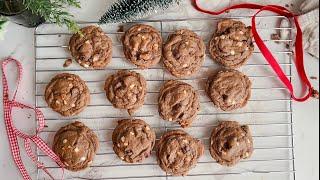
<point x="130" y="10"/>
<point x="3" y="23"/>
<point x="54" y="11"/>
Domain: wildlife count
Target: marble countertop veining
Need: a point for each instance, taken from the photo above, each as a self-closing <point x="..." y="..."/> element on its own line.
<point x="18" y="43"/>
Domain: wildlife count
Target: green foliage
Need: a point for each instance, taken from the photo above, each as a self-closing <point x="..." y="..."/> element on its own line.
<point x="130" y="10"/>
<point x="54" y="11"/>
<point x="3" y="23"/>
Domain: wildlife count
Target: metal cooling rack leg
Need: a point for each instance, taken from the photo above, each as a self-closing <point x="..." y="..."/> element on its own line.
<point x="291" y="114"/>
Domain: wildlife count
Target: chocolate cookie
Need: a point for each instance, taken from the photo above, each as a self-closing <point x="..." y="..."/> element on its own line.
<point x="229" y="90"/>
<point x="67" y="94"/>
<point x="92" y="48"/>
<point x="126" y="90"/>
<point x="178" y="102"/>
<point x="231" y="142"/>
<point x="76" y="145"/>
<point x="178" y="152"/>
<point x="183" y="53"/>
<point x="232" y="44"/>
<point x="142" y="45"/>
<point x="133" y="140"/>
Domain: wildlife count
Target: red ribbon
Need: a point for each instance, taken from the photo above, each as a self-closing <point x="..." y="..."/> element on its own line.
<point x="14" y="133"/>
<point x="299" y="61"/>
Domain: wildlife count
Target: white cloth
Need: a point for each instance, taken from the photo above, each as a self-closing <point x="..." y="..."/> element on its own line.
<point x="309" y="22"/>
<point x="309" y="5"/>
<point x="310" y="26"/>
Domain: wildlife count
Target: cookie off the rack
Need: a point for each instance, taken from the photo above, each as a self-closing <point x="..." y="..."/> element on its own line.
<point x="67" y="94"/>
<point x="133" y="140"/>
<point x="76" y="145"/>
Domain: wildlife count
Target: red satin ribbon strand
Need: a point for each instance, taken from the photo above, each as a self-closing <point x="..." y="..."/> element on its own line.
<point x="299" y="59"/>
<point x="14" y="133"/>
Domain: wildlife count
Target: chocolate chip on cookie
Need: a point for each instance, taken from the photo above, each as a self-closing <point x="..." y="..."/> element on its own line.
<point x="231" y="142"/>
<point x="178" y="102"/>
<point x="67" y="94"/>
<point x="178" y="152"/>
<point x="183" y="53"/>
<point x="232" y="44"/>
<point x="92" y="48"/>
<point x="133" y="140"/>
<point x="126" y="90"/>
<point x="142" y="45"/>
<point x="229" y="90"/>
<point x="76" y="145"/>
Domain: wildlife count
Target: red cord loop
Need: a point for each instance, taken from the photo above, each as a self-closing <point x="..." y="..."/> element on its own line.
<point x="299" y="59"/>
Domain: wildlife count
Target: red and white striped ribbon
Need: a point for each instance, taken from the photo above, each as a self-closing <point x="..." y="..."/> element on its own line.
<point x="14" y="133"/>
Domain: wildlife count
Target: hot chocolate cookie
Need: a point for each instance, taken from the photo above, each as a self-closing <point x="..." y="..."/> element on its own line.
<point x="133" y="140"/>
<point x="92" y="48"/>
<point x="178" y="152"/>
<point x="231" y="142"/>
<point x="76" y="145"/>
<point x="232" y="44"/>
<point x="183" y="53"/>
<point x="178" y="102"/>
<point x="126" y="90"/>
<point x="67" y="94"/>
<point x="142" y="45"/>
<point x="229" y="90"/>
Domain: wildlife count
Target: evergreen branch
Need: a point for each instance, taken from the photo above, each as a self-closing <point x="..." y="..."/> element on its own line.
<point x="3" y="23"/>
<point x="53" y="11"/>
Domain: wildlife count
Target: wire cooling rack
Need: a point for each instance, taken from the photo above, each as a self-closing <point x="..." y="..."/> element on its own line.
<point x="269" y="112"/>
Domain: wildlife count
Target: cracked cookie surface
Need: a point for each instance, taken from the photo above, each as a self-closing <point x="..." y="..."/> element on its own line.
<point x="229" y="90"/>
<point x="76" y="145"/>
<point x="67" y="94"/>
<point x="178" y="152"/>
<point x="142" y="46"/>
<point x="178" y="102"/>
<point x="183" y="53"/>
<point x="232" y="44"/>
<point x="92" y="49"/>
<point x="230" y="142"/>
<point x="133" y="140"/>
<point x="126" y="90"/>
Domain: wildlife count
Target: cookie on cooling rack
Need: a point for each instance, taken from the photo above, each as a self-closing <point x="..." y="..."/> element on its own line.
<point x="67" y="94"/>
<point x="178" y="102"/>
<point x="92" y="48"/>
<point x="178" y="152"/>
<point x="229" y="90"/>
<point x="230" y="142"/>
<point x="76" y="145"/>
<point x="232" y="44"/>
<point x="142" y="46"/>
<point x="126" y="90"/>
<point x="133" y="140"/>
<point x="183" y="53"/>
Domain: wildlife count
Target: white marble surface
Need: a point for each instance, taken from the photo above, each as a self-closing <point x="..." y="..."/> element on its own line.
<point x="18" y="43"/>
